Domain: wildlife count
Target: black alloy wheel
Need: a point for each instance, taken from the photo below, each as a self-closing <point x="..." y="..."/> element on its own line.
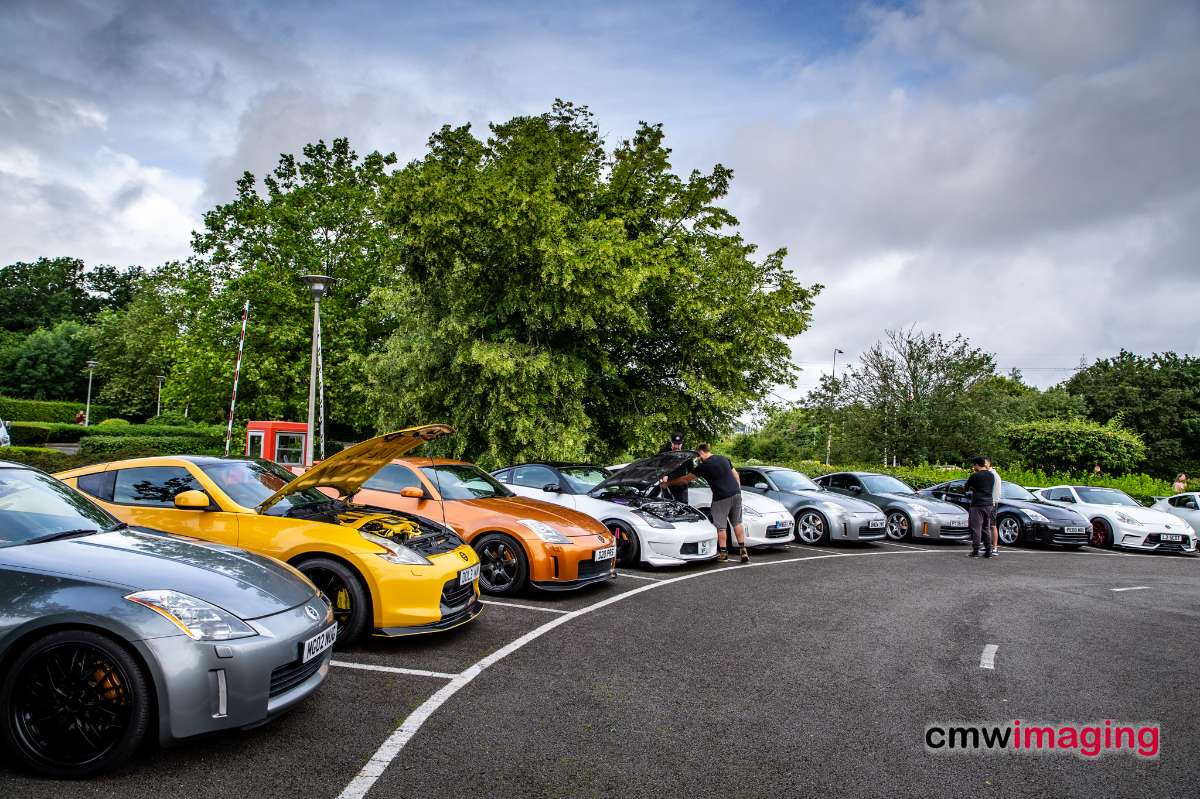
<point x="345" y="592"/>
<point x="628" y="547"/>
<point x="74" y="703"/>
<point x="503" y="567"/>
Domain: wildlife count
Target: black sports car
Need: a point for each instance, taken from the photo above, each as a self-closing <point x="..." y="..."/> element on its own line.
<point x="1021" y="517"/>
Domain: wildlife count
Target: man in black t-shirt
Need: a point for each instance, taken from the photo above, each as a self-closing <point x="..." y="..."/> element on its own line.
<point x="981" y="485"/>
<point x="726" y="505"/>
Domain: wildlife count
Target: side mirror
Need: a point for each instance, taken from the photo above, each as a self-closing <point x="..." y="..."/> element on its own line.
<point x="412" y="492"/>
<point x="762" y="486"/>
<point x="552" y="488"/>
<point x="1190" y="504"/>
<point x="192" y="500"/>
<point x="855" y="489"/>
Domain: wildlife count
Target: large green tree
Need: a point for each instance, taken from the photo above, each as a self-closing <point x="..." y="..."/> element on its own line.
<point x="49" y="363"/>
<point x="42" y="293"/>
<point x="562" y="300"/>
<point x="135" y="345"/>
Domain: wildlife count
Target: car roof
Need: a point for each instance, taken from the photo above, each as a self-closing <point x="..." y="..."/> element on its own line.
<point x="552" y="465"/>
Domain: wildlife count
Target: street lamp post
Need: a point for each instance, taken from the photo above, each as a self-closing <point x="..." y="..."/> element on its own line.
<point x="829" y="437"/>
<point x="87" y="413"/>
<point x="318" y="285"/>
<point x="158" y="403"/>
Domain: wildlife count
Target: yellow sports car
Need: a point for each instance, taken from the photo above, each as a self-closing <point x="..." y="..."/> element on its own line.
<point x="394" y="572"/>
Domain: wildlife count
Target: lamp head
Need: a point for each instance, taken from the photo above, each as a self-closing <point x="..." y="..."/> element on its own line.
<point x="92" y="364"/>
<point x="317" y="284"/>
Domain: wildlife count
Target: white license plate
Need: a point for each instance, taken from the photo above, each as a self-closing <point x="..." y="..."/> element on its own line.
<point x="704" y="547"/>
<point x="1170" y="537"/>
<point x="319" y="643"/>
<point x="608" y="553"/>
<point x="1075" y="530"/>
<point x="782" y="525"/>
<point x="877" y="524"/>
<point x="468" y="575"/>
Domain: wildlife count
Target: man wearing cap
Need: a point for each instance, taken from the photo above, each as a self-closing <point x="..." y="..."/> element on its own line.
<point x="679" y="492"/>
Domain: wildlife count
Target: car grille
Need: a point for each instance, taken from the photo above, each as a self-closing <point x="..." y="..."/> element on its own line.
<point x="781" y="532"/>
<point x="285" y="678"/>
<point x="593" y="568"/>
<point x="954" y="523"/>
<point x="865" y="530"/>
<point x="434" y="543"/>
<point x="1063" y="537"/>
<point x="1167" y="546"/>
<point x="454" y="595"/>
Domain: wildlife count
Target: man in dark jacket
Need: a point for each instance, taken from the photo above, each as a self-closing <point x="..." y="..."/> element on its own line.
<point x="678" y="491"/>
<point x="981" y="485"/>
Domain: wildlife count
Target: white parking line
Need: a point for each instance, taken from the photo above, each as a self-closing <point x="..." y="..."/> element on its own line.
<point x="640" y="577"/>
<point x="390" y="749"/>
<point x="902" y="546"/>
<point x="988" y="659"/>
<point x="346" y="664"/>
<point x="1131" y="588"/>
<point x="522" y="607"/>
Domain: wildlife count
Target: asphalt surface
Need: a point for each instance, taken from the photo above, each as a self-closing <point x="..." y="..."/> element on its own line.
<point x="812" y="671"/>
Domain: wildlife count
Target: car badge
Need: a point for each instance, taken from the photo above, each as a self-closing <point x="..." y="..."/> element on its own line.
<point x="463" y="555"/>
<point x="603" y="539"/>
<point x="1167" y="526"/>
<point x="311" y="612"/>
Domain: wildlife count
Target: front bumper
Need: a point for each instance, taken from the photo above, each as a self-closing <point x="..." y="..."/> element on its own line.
<point x="567" y="567"/>
<point x="768" y="529"/>
<point x="209" y="686"/>
<point x="1150" y="539"/>
<point x="685" y="542"/>
<point x="409" y="600"/>
<point x="1061" y="534"/>
<point x="942" y="528"/>
<point x="858" y="527"/>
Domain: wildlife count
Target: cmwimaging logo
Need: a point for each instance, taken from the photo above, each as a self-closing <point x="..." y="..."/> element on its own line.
<point x="1088" y="741"/>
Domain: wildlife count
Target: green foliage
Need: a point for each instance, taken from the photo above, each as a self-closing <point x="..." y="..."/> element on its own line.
<point x="788" y="434"/>
<point x="135" y="344"/>
<point x="28" y="434"/>
<point x="172" y="419"/>
<point x="46" y="411"/>
<point x="142" y="446"/>
<point x="60" y="433"/>
<point x="48" y="363"/>
<point x="111" y="422"/>
<point x="48" y="460"/>
<point x="1075" y="446"/>
<point x="563" y="301"/>
<point x="52" y="290"/>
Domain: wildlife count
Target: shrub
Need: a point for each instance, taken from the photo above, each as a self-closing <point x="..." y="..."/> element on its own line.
<point x="28" y="434"/>
<point x="171" y="418"/>
<point x="111" y="422"/>
<point x="48" y="460"/>
<point x="141" y="446"/>
<point x="47" y="410"/>
<point x="1074" y="446"/>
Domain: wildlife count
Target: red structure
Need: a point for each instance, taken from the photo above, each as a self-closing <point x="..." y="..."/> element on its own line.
<point x="282" y="442"/>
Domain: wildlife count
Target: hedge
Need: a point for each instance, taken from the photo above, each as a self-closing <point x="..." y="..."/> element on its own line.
<point x="29" y="434"/>
<point x="48" y="460"/>
<point x="48" y="410"/>
<point x="71" y="433"/>
<point x="151" y="445"/>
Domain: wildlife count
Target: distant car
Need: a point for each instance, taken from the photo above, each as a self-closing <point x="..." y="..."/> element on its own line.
<point x="1186" y="506"/>
<point x="109" y="634"/>
<point x="5" y="438"/>
<point x="648" y="529"/>
<point x="820" y="515"/>
<point x="1022" y="517"/>
<point x="908" y="513"/>
<point x="1118" y="520"/>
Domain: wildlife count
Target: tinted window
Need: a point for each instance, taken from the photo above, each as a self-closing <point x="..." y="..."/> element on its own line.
<point x="250" y="483"/>
<point x="153" y="486"/>
<point x="843" y="481"/>
<point x="1014" y="491"/>
<point x="504" y="476"/>
<point x="99" y="485"/>
<point x="33" y="504"/>
<point x="787" y="480"/>
<point x="460" y="481"/>
<point x="885" y="484"/>
<point x="954" y="486"/>
<point x="533" y="476"/>
<point x="749" y="477"/>
<point x="394" y="477"/>
<point x="1059" y="495"/>
<point x="1106" y="496"/>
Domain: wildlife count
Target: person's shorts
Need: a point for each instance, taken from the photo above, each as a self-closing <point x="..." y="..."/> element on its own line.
<point x="727" y="512"/>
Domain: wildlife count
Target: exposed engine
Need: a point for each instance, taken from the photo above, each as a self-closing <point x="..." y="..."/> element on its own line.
<point x="425" y="536"/>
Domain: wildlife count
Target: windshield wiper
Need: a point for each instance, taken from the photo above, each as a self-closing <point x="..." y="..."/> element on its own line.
<point x="41" y="539"/>
<point x="115" y="527"/>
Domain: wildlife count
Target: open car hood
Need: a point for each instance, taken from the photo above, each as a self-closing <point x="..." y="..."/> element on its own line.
<point x="648" y="471"/>
<point x="346" y="471"/>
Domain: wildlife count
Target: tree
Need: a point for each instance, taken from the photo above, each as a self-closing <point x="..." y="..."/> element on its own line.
<point x="134" y="346"/>
<point x="561" y="301"/>
<point x="48" y="363"/>
<point x="52" y="290"/>
<point x="318" y="213"/>
<point x="1075" y="446"/>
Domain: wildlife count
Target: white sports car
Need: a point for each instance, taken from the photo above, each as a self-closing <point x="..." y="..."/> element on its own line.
<point x="1186" y="506"/>
<point x="1119" y="521"/>
<point x="657" y="532"/>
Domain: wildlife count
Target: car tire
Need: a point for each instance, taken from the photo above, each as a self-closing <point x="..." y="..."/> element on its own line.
<point x="97" y="680"/>
<point x="503" y="565"/>
<point x="1102" y="536"/>
<point x="899" y="526"/>
<point x="812" y="528"/>
<point x="629" y="548"/>
<point x="1011" y="525"/>
<point x="346" y="593"/>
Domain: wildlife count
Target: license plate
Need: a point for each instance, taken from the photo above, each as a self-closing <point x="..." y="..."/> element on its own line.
<point x="319" y="643"/>
<point x="1171" y="537"/>
<point x="468" y="575"/>
<point x="608" y="553"/>
<point x="781" y="525"/>
<point x="877" y="524"/>
<point x="704" y="547"/>
<point x="1076" y="530"/>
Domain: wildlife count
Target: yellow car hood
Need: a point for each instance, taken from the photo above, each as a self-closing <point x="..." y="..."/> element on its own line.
<point x="346" y="471"/>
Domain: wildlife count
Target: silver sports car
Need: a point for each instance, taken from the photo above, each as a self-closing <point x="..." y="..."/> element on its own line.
<point x="109" y="632"/>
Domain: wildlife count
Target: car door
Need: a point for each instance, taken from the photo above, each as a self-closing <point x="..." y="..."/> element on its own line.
<point x="531" y="480"/>
<point x="955" y="493"/>
<point x="145" y="496"/>
<point x="837" y="483"/>
<point x="1186" y="507"/>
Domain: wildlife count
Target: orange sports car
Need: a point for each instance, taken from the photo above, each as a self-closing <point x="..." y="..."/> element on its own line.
<point x="519" y="540"/>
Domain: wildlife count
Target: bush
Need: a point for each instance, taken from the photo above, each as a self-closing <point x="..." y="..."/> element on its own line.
<point x="1074" y="446"/>
<point x="71" y="433"/>
<point x="28" y="434"/>
<point x="173" y="418"/>
<point x="47" y="410"/>
<point x="48" y="460"/>
<point x="141" y="446"/>
<point x="111" y="422"/>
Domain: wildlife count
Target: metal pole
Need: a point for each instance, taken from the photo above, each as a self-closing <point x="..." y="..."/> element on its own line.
<point x="829" y="437"/>
<point x="158" y="402"/>
<point x="237" y="370"/>
<point x="87" y="413"/>
<point x="312" y="382"/>
<point x="321" y="385"/>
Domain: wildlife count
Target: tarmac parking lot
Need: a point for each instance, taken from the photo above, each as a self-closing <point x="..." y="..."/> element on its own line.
<point x="810" y="671"/>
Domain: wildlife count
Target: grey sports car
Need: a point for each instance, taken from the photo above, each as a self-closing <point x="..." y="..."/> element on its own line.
<point x="821" y="515"/>
<point x="108" y="632"/>
<point x="908" y="513"/>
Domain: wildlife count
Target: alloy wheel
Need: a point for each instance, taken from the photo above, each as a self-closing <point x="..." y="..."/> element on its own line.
<point x="897" y="526"/>
<point x="1009" y="530"/>
<point x="334" y="587"/>
<point x="498" y="566"/>
<point x="810" y="527"/>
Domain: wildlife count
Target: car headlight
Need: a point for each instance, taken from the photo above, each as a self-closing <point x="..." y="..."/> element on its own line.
<point x="397" y="553"/>
<point x="1034" y="516"/>
<point x="748" y="511"/>
<point x="919" y="510"/>
<point x="654" y="521"/>
<point x="545" y="532"/>
<point x="1125" y="518"/>
<point x="197" y="618"/>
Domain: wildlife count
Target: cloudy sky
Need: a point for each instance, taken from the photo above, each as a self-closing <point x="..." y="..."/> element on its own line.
<point x="1024" y="173"/>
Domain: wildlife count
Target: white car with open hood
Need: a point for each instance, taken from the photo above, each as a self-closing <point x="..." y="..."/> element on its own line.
<point x="1119" y="521"/>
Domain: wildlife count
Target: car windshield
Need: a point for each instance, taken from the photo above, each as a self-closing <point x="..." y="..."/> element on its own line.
<point x="884" y="484"/>
<point x="787" y="480"/>
<point x="1105" y="496"/>
<point x="249" y="483"/>
<point x="36" y="506"/>
<point x="584" y="478"/>
<point x="1014" y="491"/>
<point x="460" y="481"/>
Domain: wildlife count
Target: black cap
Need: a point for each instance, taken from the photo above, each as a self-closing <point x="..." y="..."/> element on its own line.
<point x="677" y="438"/>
